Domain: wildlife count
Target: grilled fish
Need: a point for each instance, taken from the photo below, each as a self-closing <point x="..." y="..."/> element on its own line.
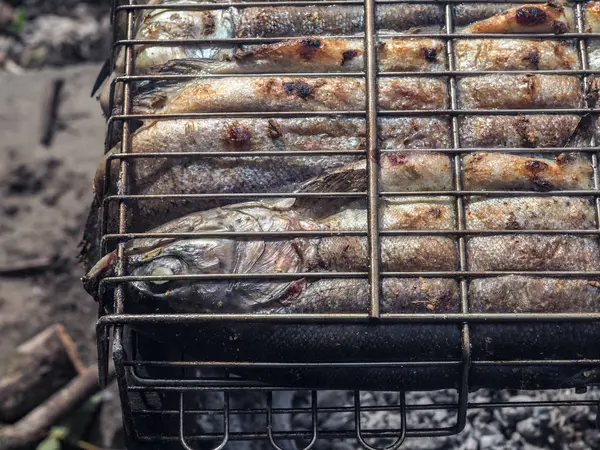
<point x="289" y="94"/>
<point x="515" y="54"/>
<point x="253" y="22"/>
<point x="520" y="91"/>
<point x="533" y="252"/>
<point x="528" y="294"/>
<point x="298" y="134"/>
<point x="529" y="131"/>
<point x="531" y="213"/>
<point x="529" y="18"/>
<point x="490" y="171"/>
<point x="519" y="294"/>
<point x="164" y="257"/>
<point x="592" y="25"/>
<point x="299" y="55"/>
<point x="398" y="295"/>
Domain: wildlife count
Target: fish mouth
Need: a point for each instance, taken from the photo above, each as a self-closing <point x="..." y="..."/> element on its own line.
<point x="102" y="269"/>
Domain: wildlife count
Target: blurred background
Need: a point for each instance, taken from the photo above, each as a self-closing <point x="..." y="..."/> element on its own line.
<point x="51" y="139"/>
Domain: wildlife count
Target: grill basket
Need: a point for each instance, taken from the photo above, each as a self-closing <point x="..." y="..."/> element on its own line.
<point x="463" y="351"/>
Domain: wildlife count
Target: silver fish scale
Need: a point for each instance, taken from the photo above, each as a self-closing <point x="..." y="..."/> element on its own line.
<point x="416" y="191"/>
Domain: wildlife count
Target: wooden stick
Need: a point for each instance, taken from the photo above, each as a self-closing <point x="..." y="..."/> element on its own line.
<point x="39" y="368"/>
<point x="50" y="111"/>
<point x="35" y="426"/>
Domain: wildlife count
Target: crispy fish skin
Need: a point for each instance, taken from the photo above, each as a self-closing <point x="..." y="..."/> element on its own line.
<point x="531" y="213"/>
<point x="529" y="18"/>
<point x="520" y="294"/>
<point x="515" y="54"/>
<point x="495" y="171"/>
<point x="292" y="94"/>
<point x="534" y="130"/>
<point x="533" y="252"/>
<point x="326" y="20"/>
<point x="520" y="91"/>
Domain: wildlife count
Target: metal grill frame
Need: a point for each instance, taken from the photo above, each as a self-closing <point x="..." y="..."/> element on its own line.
<point x="126" y="362"/>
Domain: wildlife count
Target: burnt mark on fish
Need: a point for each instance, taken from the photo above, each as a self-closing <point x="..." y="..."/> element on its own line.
<point x="298" y="88"/>
<point x="535" y="166"/>
<point x="395" y="159"/>
<point x="435" y="212"/>
<point x="274" y="129"/>
<point x="242" y="55"/>
<point x="208" y="21"/>
<point x="531" y="16"/>
<point x="308" y="48"/>
<point x="533" y="57"/>
<point x="349" y="55"/>
<point x="534" y="169"/>
<point x="559" y="27"/>
<point x="238" y="136"/>
<point x="429" y="53"/>
<point x="541" y="184"/>
<point x="528" y="138"/>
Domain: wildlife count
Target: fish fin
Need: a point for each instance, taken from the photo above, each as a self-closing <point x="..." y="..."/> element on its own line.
<point x="102" y="77"/>
<point x="349" y="178"/>
<point x="583" y="133"/>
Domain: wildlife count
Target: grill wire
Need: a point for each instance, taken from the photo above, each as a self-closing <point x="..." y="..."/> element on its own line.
<point x="128" y="363"/>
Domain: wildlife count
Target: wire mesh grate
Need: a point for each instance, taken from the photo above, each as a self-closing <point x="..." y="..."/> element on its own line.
<point x="468" y="357"/>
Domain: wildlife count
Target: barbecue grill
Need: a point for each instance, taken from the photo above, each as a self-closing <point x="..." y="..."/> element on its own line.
<point x="464" y="350"/>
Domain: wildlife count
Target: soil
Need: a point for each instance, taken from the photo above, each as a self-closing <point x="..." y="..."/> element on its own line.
<point x="45" y="196"/>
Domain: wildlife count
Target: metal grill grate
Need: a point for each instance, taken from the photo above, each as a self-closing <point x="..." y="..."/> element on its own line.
<point x="133" y="383"/>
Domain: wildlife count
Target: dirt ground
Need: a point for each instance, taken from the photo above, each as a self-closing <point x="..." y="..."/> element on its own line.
<point x="45" y="194"/>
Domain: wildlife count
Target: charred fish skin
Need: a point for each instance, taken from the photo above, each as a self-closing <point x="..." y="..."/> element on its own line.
<point x="503" y="171"/>
<point x="401" y="170"/>
<point x="515" y="54"/>
<point x="529" y="18"/>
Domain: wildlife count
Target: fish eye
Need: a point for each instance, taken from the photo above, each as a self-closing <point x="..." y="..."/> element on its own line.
<point x="161" y="272"/>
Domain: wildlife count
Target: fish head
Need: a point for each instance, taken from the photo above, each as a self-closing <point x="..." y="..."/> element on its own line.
<point x="164" y="271"/>
<point x="181" y="257"/>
